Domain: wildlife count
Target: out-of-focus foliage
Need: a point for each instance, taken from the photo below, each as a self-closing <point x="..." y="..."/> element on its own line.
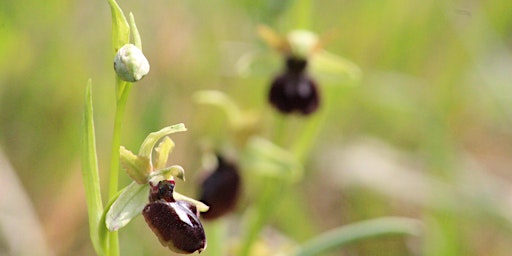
<point x="434" y="98"/>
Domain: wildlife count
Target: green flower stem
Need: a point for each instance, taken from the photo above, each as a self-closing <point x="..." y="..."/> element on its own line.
<point x="351" y="233"/>
<point x="264" y="209"/>
<point x="308" y="134"/>
<point x="300" y="14"/>
<point x="123" y="90"/>
<point x="116" y="137"/>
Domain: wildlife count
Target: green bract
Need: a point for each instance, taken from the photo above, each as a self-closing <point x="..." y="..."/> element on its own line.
<point x="142" y="170"/>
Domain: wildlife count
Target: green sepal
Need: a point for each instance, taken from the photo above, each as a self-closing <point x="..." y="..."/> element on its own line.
<point x="265" y="158"/>
<point x="199" y="205"/>
<point x="237" y="118"/>
<point x="147" y="146"/>
<point x="137" y="167"/>
<point x="329" y="64"/>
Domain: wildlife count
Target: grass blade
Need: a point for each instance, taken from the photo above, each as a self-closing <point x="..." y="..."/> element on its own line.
<point x="359" y="231"/>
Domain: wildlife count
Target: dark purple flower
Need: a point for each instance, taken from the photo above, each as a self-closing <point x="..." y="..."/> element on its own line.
<point x="220" y="189"/>
<point x="293" y="90"/>
<point x="175" y="223"/>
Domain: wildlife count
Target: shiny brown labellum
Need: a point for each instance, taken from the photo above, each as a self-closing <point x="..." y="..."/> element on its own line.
<point x="175" y="223"/>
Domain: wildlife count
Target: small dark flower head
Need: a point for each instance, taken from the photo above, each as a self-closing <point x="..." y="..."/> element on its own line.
<point x="293" y="90"/>
<point x="175" y="222"/>
<point x="220" y="189"/>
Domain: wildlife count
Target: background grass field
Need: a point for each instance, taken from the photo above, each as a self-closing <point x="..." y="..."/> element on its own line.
<point x="426" y="133"/>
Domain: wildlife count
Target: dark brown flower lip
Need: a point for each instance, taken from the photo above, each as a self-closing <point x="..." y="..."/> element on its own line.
<point x="176" y="224"/>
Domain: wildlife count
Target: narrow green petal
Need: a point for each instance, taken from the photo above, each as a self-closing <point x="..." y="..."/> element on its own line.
<point x="167" y="173"/>
<point x="162" y="152"/>
<point x="199" y="205"/>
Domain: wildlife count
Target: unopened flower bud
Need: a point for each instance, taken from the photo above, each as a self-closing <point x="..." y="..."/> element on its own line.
<point x="130" y="63"/>
<point x="175" y="223"/>
<point x="220" y="189"/>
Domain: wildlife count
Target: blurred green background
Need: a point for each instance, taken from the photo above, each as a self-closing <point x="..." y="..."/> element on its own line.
<point x="425" y="134"/>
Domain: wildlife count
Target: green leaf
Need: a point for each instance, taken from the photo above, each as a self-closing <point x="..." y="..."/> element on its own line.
<point x="147" y="146"/>
<point x="162" y="152"/>
<point x="128" y="205"/>
<point x="90" y="170"/>
<point x="137" y="167"/>
<point x="120" y="28"/>
<point x="265" y="158"/>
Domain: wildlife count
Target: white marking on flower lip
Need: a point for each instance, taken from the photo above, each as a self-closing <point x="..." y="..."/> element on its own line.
<point x="182" y="213"/>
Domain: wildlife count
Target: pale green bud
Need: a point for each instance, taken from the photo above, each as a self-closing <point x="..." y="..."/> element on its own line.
<point x="130" y="63"/>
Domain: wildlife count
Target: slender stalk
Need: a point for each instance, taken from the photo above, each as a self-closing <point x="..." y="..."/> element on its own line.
<point x="123" y="90"/>
<point x="301" y="14"/>
<point x="266" y="204"/>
